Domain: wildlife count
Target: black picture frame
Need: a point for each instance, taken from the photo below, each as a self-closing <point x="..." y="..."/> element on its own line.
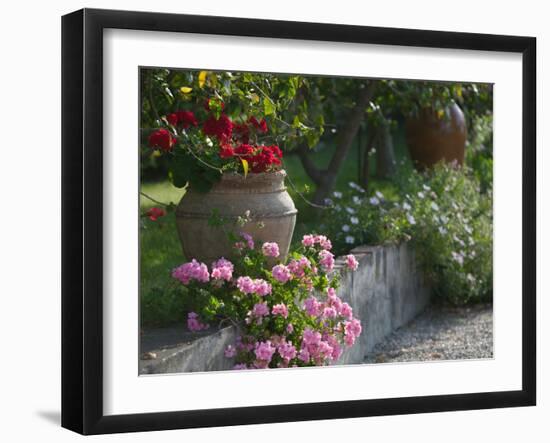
<point x="82" y="218"/>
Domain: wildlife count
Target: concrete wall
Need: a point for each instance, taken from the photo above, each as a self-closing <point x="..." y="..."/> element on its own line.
<point x="387" y="291"/>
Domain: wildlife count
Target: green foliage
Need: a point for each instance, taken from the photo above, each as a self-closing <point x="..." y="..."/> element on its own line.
<point x="479" y="152"/>
<point x="410" y="97"/>
<point x="443" y="212"/>
<point x="161" y="303"/>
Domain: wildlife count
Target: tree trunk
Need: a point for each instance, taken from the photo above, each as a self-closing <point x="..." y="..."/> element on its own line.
<point x="327" y="179"/>
<point x="385" y="155"/>
<point x="365" y="167"/>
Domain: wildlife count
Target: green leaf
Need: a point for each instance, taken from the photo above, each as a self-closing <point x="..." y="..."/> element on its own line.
<point x="269" y="107"/>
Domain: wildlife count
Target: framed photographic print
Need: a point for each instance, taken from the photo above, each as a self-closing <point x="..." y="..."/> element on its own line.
<point x="269" y="221"/>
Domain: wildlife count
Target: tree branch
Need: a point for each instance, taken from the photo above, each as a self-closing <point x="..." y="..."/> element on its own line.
<point x="347" y="136"/>
<point x="313" y="171"/>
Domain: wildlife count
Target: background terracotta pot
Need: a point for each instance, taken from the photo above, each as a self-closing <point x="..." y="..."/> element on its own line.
<point x="432" y="139"/>
<point x="264" y="195"/>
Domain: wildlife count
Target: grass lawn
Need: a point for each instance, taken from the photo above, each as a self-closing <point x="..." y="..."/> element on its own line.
<point x="159" y="243"/>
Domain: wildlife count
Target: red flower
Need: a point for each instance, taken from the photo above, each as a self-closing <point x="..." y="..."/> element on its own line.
<point x="241" y="132"/>
<point x="261" y="126"/>
<point x="162" y="139"/>
<point x="244" y="150"/>
<point x="155" y="213"/>
<point x="226" y="151"/>
<point x="268" y="158"/>
<point x="172" y="119"/>
<point x="220" y="128"/>
<point x="276" y="150"/>
<point x="182" y="118"/>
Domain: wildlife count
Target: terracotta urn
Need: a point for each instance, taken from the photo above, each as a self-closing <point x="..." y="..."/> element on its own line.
<point x="432" y="138"/>
<point x="263" y="196"/>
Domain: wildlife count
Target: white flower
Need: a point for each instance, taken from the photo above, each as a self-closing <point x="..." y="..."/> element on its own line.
<point x="355" y="186"/>
<point x="374" y="201"/>
<point x="350" y="240"/>
<point x="406" y="206"/>
<point x="354" y="220"/>
<point x="420" y="195"/>
<point x="434" y="206"/>
<point x="338" y="208"/>
<point x="442" y="230"/>
<point x="411" y="219"/>
<point x="328" y="202"/>
<point x="350" y="210"/>
<point x="426" y="188"/>
<point x="470" y="278"/>
<point x="459" y="258"/>
<point x="458" y="240"/>
<point x="337" y="194"/>
<point x="209" y="142"/>
<point x="444" y="219"/>
<point x="356" y="200"/>
<point x="345" y="228"/>
<point x="379" y="195"/>
<point x="468" y="229"/>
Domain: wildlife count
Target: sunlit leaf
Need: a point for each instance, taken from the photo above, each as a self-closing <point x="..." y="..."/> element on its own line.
<point x="269" y="107"/>
<point x="202" y="78"/>
<point x="245" y="166"/>
<point x="186" y="89"/>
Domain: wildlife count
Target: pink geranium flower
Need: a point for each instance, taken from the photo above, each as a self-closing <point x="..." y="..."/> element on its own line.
<point x="270" y="249"/>
<point x="352" y="262"/>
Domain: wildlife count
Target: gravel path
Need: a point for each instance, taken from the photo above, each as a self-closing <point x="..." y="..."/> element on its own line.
<point x="440" y="333"/>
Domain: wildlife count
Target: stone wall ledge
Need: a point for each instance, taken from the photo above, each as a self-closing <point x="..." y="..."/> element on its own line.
<point x="386" y="292"/>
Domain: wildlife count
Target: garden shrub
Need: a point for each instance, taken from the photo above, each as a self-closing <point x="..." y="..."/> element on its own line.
<point x="443" y="212"/>
<point x="287" y="313"/>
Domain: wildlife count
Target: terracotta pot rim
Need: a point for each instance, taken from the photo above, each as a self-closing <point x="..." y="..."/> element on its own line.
<point x="253" y="176"/>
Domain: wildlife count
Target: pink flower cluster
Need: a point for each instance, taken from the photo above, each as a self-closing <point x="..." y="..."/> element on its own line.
<point x="257" y="314"/>
<point x="326" y="260"/>
<point x="318" y="348"/>
<point x="352" y="330"/>
<point x="270" y="249"/>
<point x="352" y="262"/>
<point x="331" y="309"/>
<point x="310" y="240"/>
<point x="280" y="309"/>
<point x="298" y="267"/>
<point x="222" y="269"/>
<point x="193" y="322"/>
<point x="248" y="241"/>
<point x="191" y="271"/>
<point x="281" y="273"/>
<point x="230" y="351"/>
<point x="273" y="326"/>
<point x="264" y="351"/>
<point x="257" y="286"/>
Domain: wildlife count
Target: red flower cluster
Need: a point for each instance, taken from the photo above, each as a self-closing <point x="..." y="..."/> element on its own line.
<point x="155" y="213"/>
<point x="234" y="139"/>
<point x="259" y="158"/>
<point x="241" y="132"/>
<point x="222" y="128"/>
<point x="261" y="126"/>
<point x="162" y="139"/>
<point x="182" y="118"/>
